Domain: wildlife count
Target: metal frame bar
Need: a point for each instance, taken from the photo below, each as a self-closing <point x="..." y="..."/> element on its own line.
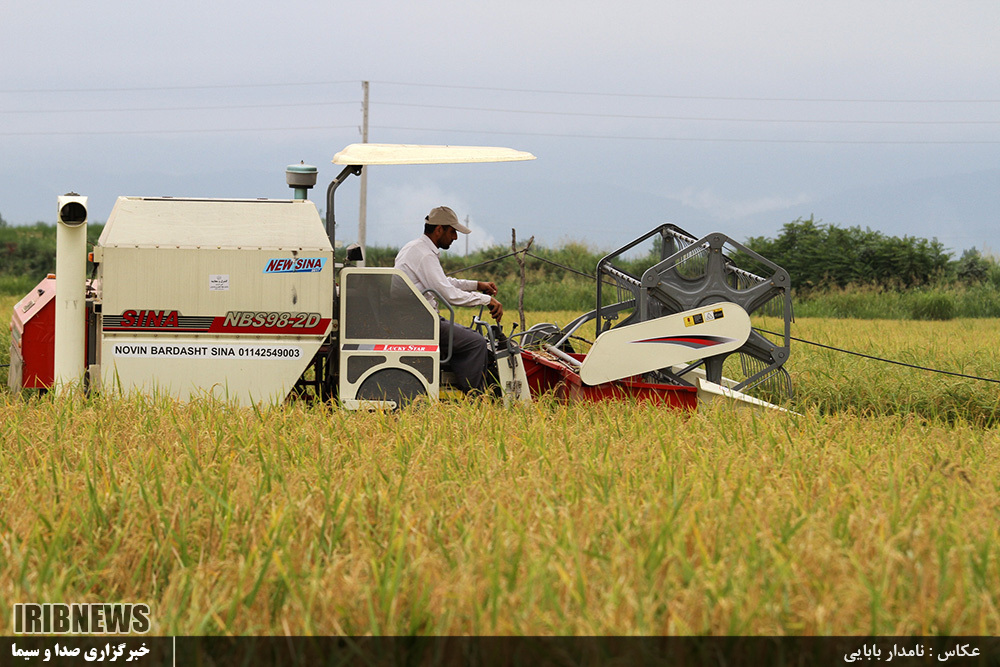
<point x="331" y="221"/>
<point x="663" y="289"/>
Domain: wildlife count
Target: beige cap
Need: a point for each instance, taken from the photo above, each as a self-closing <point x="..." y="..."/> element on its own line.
<point x="442" y="215"/>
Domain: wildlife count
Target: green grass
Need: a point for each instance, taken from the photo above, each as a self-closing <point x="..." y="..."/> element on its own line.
<point x="16" y="286"/>
<point x="873" y="511"/>
<point x="834" y="382"/>
<point x="940" y="302"/>
<point x="468" y="518"/>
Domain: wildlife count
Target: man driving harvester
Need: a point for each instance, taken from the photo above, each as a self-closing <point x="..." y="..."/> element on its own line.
<point x="420" y="260"/>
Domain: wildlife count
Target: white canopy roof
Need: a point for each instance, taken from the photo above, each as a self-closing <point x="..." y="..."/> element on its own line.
<point x="370" y="154"/>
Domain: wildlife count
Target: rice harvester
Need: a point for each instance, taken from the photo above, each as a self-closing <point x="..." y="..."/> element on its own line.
<point x="244" y="299"/>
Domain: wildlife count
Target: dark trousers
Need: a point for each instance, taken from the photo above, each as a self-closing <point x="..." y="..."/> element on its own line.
<point x="469" y="355"/>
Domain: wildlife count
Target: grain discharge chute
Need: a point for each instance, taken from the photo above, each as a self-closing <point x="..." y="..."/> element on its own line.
<point x="244" y="300"/>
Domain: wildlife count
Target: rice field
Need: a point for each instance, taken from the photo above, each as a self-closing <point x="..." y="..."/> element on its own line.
<point x="874" y="510"/>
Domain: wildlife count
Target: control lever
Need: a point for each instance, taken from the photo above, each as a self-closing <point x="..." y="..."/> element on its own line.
<point x="494" y="334"/>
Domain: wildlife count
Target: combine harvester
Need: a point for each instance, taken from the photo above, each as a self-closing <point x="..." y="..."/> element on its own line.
<point x="244" y="300"/>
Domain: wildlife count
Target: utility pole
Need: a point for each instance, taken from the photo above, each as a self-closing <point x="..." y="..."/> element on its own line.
<point x="362" y="209"/>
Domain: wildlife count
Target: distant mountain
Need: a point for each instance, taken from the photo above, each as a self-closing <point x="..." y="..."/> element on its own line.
<point x="961" y="211"/>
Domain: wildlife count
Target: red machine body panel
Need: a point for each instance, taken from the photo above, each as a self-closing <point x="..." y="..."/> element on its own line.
<point x="549" y="375"/>
<point x="32" y="338"/>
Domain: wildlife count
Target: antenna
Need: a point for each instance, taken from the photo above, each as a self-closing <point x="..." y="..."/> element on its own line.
<point x="363" y="208"/>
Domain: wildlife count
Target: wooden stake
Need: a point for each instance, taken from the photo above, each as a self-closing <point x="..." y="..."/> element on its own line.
<point x="520" y="263"/>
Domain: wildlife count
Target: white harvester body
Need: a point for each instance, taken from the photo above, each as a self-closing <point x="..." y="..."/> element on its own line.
<point x="227" y="297"/>
<point x="388" y="344"/>
<point x="243" y="300"/>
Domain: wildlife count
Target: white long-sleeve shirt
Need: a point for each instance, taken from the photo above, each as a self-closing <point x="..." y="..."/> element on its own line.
<point x="420" y="260"/>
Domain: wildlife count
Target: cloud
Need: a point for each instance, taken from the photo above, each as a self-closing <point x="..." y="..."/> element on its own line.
<point x="396" y="213"/>
<point x="706" y="200"/>
<point x="478" y="239"/>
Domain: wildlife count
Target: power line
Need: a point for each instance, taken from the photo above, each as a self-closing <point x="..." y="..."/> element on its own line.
<point x="695" y="139"/>
<point x="773" y="333"/>
<point x="227" y="107"/>
<point x="503" y="133"/>
<point x="693" y="118"/>
<point x="888" y="361"/>
<point x="186" y="108"/>
<point x="132" y="89"/>
<point x="625" y="137"/>
<point x="699" y="97"/>
<point x="193" y="131"/>
<point x="539" y="91"/>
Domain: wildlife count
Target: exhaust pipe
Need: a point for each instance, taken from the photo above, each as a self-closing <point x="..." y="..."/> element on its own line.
<point x="71" y="305"/>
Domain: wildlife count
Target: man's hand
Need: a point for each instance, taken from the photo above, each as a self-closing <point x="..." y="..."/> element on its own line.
<point x="487" y="288"/>
<point x="496" y="309"/>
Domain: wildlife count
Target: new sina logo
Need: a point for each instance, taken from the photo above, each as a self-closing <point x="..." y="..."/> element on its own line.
<point x="295" y="265"/>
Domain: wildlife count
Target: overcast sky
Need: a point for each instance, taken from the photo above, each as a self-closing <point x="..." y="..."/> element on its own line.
<point x="717" y="116"/>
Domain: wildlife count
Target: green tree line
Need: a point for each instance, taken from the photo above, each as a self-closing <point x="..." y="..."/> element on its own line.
<point x="822" y="255"/>
<point x="28" y="253"/>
